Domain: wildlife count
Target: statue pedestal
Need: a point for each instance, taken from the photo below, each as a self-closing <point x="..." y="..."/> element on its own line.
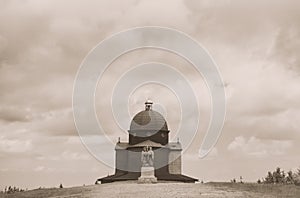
<point x="147" y="175"/>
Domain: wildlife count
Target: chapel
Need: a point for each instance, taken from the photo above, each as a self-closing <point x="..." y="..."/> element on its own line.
<point x="148" y="129"/>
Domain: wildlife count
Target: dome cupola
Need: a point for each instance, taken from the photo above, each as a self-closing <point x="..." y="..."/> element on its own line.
<point x="148" y="125"/>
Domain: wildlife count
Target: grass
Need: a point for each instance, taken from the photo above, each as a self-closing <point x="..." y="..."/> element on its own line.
<point x="125" y="189"/>
<point x="276" y="190"/>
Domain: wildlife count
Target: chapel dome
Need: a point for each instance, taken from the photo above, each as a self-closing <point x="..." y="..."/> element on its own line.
<point x="148" y="120"/>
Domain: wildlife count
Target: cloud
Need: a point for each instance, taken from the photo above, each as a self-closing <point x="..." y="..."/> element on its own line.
<point x="15" y="145"/>
<point x="259" y="148"/>
<point x="38" y="124"/>
<point x="39" y="168"/>
<point x="75" y="156"/>
<point x="14" y="114"/>
<point x="286" y="47"/>
<point x="43" y="169"/>
<point x="55" y="123"/>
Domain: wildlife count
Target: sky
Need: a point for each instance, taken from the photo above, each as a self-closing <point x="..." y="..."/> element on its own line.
<point x="256" y="46"/>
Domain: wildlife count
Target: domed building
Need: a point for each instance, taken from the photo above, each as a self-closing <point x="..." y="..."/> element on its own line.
<point x="148" y="129"/>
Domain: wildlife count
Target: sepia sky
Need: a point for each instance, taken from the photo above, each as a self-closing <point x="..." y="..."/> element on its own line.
<point x="42" y="44"/>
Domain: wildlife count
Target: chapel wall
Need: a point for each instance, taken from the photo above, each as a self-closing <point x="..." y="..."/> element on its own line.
<point x="175" y="162"/>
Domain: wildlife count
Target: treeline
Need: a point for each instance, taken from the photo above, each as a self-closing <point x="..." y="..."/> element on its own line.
<point x="12" y="189"/>
<point x="280" y="177"/>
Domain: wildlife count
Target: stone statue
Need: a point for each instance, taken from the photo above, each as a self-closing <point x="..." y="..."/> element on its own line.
<point x="151" y="156"/>
<point x="144" y="157"/>
<point x="147" y="157"/>
<point x="147" y="169"/>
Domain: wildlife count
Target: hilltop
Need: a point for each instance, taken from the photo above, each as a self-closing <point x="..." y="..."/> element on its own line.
<point x="128" y="189"/>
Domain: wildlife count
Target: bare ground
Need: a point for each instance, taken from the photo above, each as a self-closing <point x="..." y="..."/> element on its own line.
<point x="174" y="190"/>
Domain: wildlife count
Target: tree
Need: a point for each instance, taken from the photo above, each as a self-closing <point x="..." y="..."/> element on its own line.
<point x="241" y="180"/>
<point x="258" y="181"/>
<point x="297" y="177"/>
<point x="269" y="178"/>
<point x="60" y="186"/>
<point x="283" y="177"/>
<point x="9" y="189"/>
<point x="278" y="176"/>
<point x="290" y="178"/>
